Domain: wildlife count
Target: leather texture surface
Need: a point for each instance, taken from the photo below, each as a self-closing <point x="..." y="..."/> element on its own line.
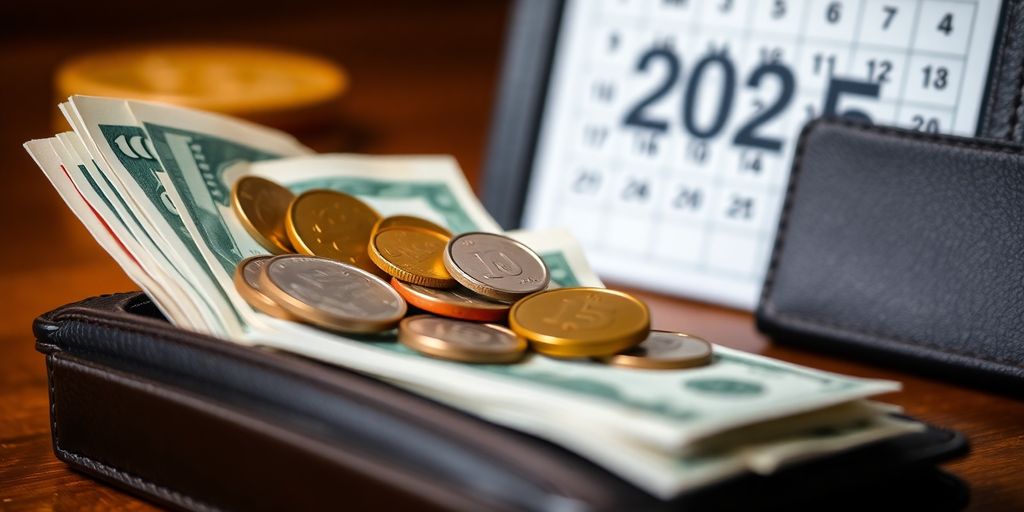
<point x="198" y="423"/>
<point x="1004" y="107"/>
<point x="903" y="247"/>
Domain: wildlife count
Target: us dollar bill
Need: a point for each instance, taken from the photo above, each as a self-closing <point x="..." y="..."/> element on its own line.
<point x="160" y="177"/>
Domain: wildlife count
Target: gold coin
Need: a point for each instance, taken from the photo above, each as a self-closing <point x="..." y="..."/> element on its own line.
<point x="261" y="206"/>
<point x="665" y="350"/>
<point x="332" y="225"/>
<point x="457" y="340"/>
<point x="262" y="84"/>
<point x="412" y="254"/>
<point x="247" y="282"/>
<point x="580" y="322"/>
<point x="331" y="294"/>
<point x="409" y="221"/>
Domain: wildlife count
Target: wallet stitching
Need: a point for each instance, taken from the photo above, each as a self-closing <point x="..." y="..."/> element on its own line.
<point x="53" y="405"/>
<point x="1018" y="100"/>
<point x="834" y="328"/>
<point x="109" y="470"/>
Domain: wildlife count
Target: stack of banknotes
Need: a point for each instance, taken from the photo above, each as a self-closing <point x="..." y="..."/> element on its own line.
<point x="152" y="183"/>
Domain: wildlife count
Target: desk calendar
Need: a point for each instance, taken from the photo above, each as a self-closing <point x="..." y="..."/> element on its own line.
<point x="665" y="129"/>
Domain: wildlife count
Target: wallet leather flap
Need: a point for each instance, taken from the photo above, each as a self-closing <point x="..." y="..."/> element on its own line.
<point x="200" y="423"/>
<point x="905" y="246"/>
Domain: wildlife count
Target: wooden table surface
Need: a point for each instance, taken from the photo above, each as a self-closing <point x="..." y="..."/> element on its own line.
<point x="423" y="80"/>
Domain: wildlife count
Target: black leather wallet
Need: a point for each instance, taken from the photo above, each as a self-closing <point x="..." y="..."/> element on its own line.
<point x="905" y="248"/>
<point x="198" y="423"/>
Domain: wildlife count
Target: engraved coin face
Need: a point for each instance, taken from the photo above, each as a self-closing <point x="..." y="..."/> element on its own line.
<point x="457" y="302"/>
<point x="261" y="206"/>
<point x="332" y="225"/>
<point x="412" y="254"/>
<point x="410" y="221"/>
<point x="247" y="283"/>
<point x="331" y="294"/>
<point x="461" y="341"/>
<point x="578" y="322"/>
<point x="495" y="266"/>
<point x="665" y="350"/>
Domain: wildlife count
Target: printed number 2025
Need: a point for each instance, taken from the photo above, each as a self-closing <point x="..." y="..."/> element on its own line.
<point x="747" y="135"/>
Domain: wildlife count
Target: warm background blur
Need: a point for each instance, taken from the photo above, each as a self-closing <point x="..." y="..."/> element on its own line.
<point x="422" y="80"/>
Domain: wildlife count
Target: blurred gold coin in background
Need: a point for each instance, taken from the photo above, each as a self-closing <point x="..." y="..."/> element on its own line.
<point x="411" y="222"/>
<point x="261" y="206"/>
<point x="412" y="254"/>
<point x="580" y="322"/>
<point x="332" y="225"/>
<point x="269" y="86"/>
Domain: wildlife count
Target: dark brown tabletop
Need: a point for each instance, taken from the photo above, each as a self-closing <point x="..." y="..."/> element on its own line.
<point x="423" y="77"/>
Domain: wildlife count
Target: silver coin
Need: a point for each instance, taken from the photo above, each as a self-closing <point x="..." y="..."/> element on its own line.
<point x="332" y="294"/>
<point x="495" y="266"/>
<point x="252" y="270"/>
<point x="460" y="340"/>
<point x="666" y="350"/>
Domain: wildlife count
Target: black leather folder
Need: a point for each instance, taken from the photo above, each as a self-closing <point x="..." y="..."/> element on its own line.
<point x="904" y="248"/>
<point x="199" y="423"/>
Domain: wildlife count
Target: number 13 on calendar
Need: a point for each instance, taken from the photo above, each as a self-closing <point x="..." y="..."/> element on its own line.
<point x="670" y="125"/>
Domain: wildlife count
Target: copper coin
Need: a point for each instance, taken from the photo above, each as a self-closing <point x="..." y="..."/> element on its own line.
<point x="455" y="302"/>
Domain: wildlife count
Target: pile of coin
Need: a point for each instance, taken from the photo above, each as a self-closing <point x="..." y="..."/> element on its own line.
<point x="341" y="266"/>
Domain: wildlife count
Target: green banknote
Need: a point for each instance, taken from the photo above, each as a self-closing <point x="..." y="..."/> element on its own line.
<point x="101" y="195"/>
<point x="171" y="170"/>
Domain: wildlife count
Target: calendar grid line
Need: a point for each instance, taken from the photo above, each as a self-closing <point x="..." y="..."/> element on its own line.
<point x="855" y="42"/>
<point x="836" y="42"/>
<point x="706" y="226"/>
<point x="655" y="219"/>
<point x="909" y="55"/>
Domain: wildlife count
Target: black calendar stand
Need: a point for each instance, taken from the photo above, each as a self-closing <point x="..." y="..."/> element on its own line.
<point x="529" y="49"/>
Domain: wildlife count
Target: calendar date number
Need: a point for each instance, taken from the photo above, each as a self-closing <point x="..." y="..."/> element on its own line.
<point x="749" y="134"/>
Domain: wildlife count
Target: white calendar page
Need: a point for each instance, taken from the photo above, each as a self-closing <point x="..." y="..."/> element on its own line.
<point x="670" y="125"/>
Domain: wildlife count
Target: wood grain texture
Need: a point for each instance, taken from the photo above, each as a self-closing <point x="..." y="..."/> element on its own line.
<point x="423" y="80"/>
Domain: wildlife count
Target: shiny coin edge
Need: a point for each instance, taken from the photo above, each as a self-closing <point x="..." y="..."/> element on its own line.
<point x="418" y="222"/>
<point x="243" y="219"/>
<point x="257" y="299"/>
<point x="626" y="360"/>
<point x="497" y="313"/>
